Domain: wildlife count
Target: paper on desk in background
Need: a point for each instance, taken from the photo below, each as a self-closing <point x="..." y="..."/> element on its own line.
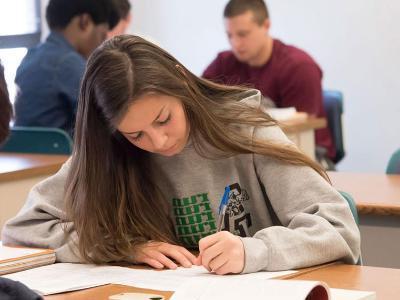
<point x="62" y="277"/>
<point x="282" y="113"/>
<point x="286" y="113"/>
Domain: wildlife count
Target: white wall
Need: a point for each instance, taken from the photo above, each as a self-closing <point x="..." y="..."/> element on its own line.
<point x="357" y="44"/>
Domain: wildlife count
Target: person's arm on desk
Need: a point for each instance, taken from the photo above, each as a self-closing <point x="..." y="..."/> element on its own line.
<point x="41" y="221"/>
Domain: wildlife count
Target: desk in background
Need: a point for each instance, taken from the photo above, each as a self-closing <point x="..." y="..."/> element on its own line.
<point x="384" y="281"/>
<point x="18" y="174"/>
<point x="377" y="197"/>
<point x="301" y="131"/>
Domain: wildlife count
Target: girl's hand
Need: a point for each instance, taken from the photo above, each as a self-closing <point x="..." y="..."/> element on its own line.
<point x="159" y="255"/>
<point x="221" y="253"/>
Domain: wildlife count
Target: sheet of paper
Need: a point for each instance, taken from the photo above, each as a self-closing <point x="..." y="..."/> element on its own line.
<point x="58" y="278"/>
<point x="340" y="294"/>
<point x="63" y="277"/>
<point x="238" y="288"/>
<point x="171" y="280"/>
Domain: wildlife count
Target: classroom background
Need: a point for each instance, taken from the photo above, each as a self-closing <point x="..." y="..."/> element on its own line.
<point x="356" y="44"/>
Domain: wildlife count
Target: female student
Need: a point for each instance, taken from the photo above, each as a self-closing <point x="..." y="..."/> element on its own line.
<point x="155" y="147"/>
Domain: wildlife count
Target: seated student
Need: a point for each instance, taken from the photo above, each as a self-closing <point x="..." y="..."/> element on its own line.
<point x="155" y="147"/>
<point x="283" y="73"/>
<point x="123" y="8"/>
<point x="49" y="75"/>
<point x="5" y="107"/>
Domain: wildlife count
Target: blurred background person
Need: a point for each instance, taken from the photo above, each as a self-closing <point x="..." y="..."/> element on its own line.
<point x="123" y="8"/>
<point x="49" y="76"/>
<point x="283" y="73"/>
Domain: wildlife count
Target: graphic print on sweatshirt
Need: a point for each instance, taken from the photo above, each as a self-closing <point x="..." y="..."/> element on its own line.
<point x="194" y="217"/>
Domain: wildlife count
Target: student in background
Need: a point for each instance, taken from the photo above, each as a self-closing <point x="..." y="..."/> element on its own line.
<point x="123" y="8"/>
<point x="283" y="73"/>
<point x="5" y="107"/>
<point x="155" y="146"/>
<point x="49" y="75"/>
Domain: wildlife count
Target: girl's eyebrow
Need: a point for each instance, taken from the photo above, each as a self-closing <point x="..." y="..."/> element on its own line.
<point x="159" y="114"/>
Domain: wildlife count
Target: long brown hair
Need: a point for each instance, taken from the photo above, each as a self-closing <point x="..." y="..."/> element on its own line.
<point x="110" y="193"/>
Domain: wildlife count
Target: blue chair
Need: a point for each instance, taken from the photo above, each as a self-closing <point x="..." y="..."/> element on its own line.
<point x="333" y="105"/>
<point x="353" y="208"/>
<point x="393" y="166"/>
<point x="352" y="205"/>
<point x="37" y="140"/>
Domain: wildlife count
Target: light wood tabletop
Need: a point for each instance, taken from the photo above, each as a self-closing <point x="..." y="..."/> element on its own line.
<point x="16" y="166"/>
<point x="384" y="281"/>
<point x="301" y="124"/>
<point x="375" y="194"/>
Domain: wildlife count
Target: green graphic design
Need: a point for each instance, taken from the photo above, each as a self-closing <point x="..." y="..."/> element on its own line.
<point x="194" y="218"/>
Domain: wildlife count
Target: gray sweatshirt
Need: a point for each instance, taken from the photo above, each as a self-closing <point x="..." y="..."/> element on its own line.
<point x="287" y="216"/>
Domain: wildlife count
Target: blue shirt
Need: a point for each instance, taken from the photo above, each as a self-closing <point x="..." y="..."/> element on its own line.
<point x="48" y="80"/>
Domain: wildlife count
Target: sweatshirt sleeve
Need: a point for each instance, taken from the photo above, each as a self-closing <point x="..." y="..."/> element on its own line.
<point x="41" y="221"/>
<point x="316" y="224"/>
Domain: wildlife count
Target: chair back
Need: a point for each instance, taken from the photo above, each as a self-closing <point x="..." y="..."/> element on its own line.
<point x="37" y="140"/>
<point x="353" y="208"/>
<point x="352" y="205"/>
<point x="393" y="166"/>
<point x="333" y="105"/>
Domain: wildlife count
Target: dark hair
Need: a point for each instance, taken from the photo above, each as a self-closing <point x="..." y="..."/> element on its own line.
<point x="60" y="12"/>
<point x="123" y="7"/>
<point x="111" y="196"/>
<point x="5" y="107"/>
<point x="238" y="7"/>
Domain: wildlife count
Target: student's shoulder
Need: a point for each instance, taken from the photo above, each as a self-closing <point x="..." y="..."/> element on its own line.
<point x="226" y="57"/>
<point x="289" y="56"/>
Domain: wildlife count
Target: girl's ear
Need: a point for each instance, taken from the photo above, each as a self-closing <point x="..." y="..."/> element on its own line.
<point x="84" y="21"/>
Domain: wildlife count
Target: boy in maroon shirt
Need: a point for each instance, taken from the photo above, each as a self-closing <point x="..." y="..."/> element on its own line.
<point x="285" y="74"/>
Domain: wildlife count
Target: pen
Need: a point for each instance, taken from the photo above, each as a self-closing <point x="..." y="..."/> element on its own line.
<point x="222" y="208"/>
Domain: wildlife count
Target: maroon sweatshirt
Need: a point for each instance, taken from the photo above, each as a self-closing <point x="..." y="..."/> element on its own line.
<point x="289" y="78"/>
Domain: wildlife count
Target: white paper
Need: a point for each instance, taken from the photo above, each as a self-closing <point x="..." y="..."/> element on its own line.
<point x="282" y="114"/>
<point x="238" y="288"/>
<point x="340" y="294"/>
<point x="171" y="280"/>
<point x="63" y="277"/>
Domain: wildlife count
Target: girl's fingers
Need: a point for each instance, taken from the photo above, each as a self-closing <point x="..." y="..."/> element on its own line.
<point x="216" y="263"/>
<point x="160" y="257"/>
<point x="190" y="256"/>
<point x="153" y="263"/>
<point x="211" y="253"/>
<point x="224" y="269"/>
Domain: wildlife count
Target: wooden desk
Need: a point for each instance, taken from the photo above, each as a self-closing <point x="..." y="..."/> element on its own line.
<point x="301" y="131"/>
<point x="18" y="174"/>
<point x="384" y="281"/>
<point x="378" y="203"/>
<point x="375" y="194"/>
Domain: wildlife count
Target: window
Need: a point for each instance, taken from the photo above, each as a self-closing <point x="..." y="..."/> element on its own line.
<point x="19" y="29"/>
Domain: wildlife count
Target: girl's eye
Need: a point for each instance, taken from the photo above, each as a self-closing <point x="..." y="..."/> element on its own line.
<point x="165" y="121"/>
<point x="137" y="137"/>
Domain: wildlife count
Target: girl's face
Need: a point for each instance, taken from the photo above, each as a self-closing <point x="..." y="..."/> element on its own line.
<point x="156" y="123"/>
